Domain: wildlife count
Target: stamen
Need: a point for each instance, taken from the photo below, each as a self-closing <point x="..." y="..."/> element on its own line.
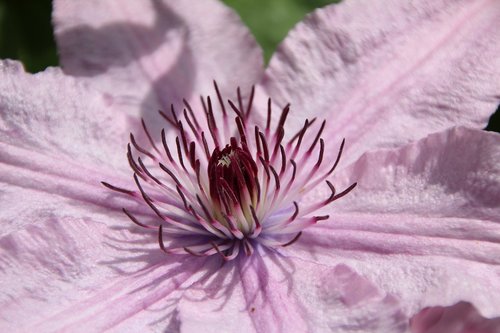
<point x="165" y="145"/>
<point x="196" y="254"/>
<point x="146" y="171"/>
<point x="183" y="138"/>
<point x="147" y="199"/>
<point x="219" y="97"/>
<point x="211" y="123"/>
<point x="119" y="189"/>
<point x="205" y="145"/>
<point x="334" y="197"/>
<point x="183" y="197"/>
<point x="321" y="151"/>
<point x="218" y="251"/>
<point x="264" y="146"/>
<point x="241" y="131"/>
<point x="293" y="240"/>
<point x="300" y="134"/>
<point x="194" y="130"/>
<point x="296" y="212"/>
<point x="133" y="164"/>
<point x="240" y="100"/>
<point x="258" y="226"/>
<point x="167" y="118"/>
<point x="318" y="135"/>
<point x="179" y="153"/>
<point x="140" y="149"/>
<point x="234" y="194"/>
<point x="248" y="247"/>
<point x="235" y="109"/>
<point x="171" y="174"/>
<point x="151" y="141"/>
<point x="279" y="137"/>
<point x="174" y="114"/>
<point x="284" y="115"/>
<point x="134" y="219"/>
<point x="269" y="114"/>
<point x="191" y="113"/>
<point x="160" y="239"/>
<point x="338" y="157"/>
<point x="250" y="102"/>
<point x="192" y="154"/>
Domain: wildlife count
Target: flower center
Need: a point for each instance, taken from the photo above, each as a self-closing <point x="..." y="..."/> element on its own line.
<point x="232" y="173"/>
<point x="244" y="196"/>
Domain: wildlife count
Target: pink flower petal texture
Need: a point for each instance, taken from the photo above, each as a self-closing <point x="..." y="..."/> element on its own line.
<point x="459" y="318"/>
<point x="388" y="72"/>
<point x="423" y="222"/>
<point x="418" y="238"/>
<point x="57" y="136"/>
<point x="149" y="54"/>
<point x="277" y="294"/>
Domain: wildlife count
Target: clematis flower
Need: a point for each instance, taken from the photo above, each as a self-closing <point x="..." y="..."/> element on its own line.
<point x="408" y="85"/>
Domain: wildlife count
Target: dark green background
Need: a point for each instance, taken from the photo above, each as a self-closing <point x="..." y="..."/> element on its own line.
<point x="26" y="32"/>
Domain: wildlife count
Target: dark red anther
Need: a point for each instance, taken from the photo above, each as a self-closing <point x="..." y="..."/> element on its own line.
<point x="219" y="97"/>
<point x="194" y="130"/>
<point x="232" y="172"/>
<point x="118" y="189"/>
<point x="265" y="150"/>
<point x="269" y="114"/>
<point x="150" y="139"/>
<point x="283" y="160"/>
<point x="133" y="164"/>
<point x="250" y="101"/>
<point x="134" y="219"/>
<point x="284" y="115"/>
<point x="174" y="114"/>
<point x="318" y="136"/>
<point x="240" y="100"/>
<point x="297" y="236"/>
<point x="167" y="118"/>
<point x="212" y="126"/>
<point x="192" y="154"/>
<point x="139" y="148"/>
<point x="146" y="171"/>
<point x="334" y="196"/>
<point x="191" y="113"/>
<point x="205" y="145"/>
<point x="179" y="153"/>
<point x="241" y="130"/>
<point x="235" y="109"/>
<point x="165" y="145"/>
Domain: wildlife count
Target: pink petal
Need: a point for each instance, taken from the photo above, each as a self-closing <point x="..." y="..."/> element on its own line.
<point x="271" y="294"/>
<point x="78" y="275"/>
<point x="459" y="318"/>
<point x="50" y="114"/>
<point x="385" y="73"/>
<point x="59" y="137"/>
<point x="423" y="222"/>
<point x="455" y="173"/>
<point x="148" y="54"/>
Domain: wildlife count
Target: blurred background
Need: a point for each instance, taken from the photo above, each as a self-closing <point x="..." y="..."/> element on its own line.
<point x="26" y="32"/>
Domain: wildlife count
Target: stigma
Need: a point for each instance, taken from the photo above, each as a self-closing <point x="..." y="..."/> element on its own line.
<point x="228" y="185"/>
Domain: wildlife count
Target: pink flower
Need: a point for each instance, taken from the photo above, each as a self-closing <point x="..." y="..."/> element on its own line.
<point x="419" y="237"/>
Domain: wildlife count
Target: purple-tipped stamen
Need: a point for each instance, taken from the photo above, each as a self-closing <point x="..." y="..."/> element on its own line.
<point x="240" y="190"/>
